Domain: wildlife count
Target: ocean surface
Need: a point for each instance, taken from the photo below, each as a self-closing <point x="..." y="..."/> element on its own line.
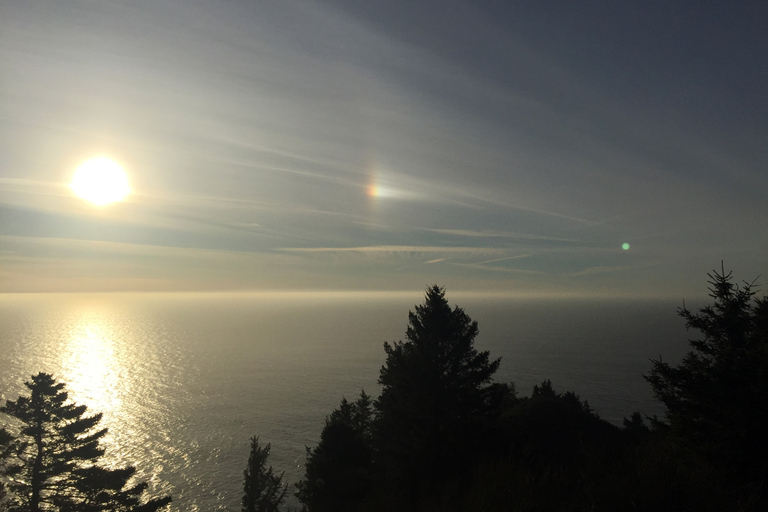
<point x="184" y="380"/>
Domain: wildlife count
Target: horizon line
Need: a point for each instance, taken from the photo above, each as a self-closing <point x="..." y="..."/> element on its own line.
<point x="373" y="294"/>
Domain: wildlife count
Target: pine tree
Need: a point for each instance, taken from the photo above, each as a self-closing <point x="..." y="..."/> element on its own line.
<point x="337" y="472"/>
<point x="715" y="398"/>
<point x="435" y="394"/>
<point x="263" y="490"/>
<point x="53" y="461"/>
<point x="6" y="446"/>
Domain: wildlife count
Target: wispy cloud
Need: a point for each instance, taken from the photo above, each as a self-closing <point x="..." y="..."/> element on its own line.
<point x="491" y="268"/>
<point x="500" y="234"/>
<point x="390" y="249"/>
<point x="610" y="269"/>
<point x="515" y="257"/>
<point x="347" y="141"/>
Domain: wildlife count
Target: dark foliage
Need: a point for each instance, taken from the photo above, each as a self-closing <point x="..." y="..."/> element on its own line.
<point x="715" y="398"/>
<point x="558" y="455"/>
<point x="338" y="471"/>
<point x="263" y="491"/>
<point x="443" y="438"/>
<point x="6" y="448"/>
<point x="52" y="463"/>
<point x="435" y="396"/>
<point x="635" y="429"/>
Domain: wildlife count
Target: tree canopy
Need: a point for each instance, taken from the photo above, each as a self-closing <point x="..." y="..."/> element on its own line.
<point x="715" y="398"/>
<point x="263" y="491"/>
<point x="338" y="472"/>
<point x="52" y="458"/>
<point x="442" y="436"/>
<point x="435" y="392"/>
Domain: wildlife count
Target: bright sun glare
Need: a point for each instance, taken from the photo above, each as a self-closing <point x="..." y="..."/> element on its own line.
<point x="101" y="181"/>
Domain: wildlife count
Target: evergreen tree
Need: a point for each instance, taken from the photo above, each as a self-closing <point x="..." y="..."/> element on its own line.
<point x="6" y="445"/>
<point x="52" y="465"/>
<point x="546" y="390"/>
<point x="357" y="415"/>
<point x="337" y="472"/>
<point x="435" y="396"/>
<point x="715" y="398"/>
<point x="263" y="490"/>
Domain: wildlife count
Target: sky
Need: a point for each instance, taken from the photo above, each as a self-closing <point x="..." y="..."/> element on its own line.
<point x="492" y="146"/>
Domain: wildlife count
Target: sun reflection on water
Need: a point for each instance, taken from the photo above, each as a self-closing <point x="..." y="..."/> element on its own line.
<point x="90" y="367"/>
<point x="118" y="357"/>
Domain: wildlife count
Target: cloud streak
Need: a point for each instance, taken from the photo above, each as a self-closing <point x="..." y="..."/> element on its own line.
<point x="392" y="249"/>
<point x="347" y="144"/>
<point x="501" y="234"/>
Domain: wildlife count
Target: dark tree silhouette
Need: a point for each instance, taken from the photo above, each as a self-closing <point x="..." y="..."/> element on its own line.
<point x="442" y="437"/>
<point x="716" y="397"/>
<point x="6" y="446"/>
<point x="546" y="390"/>
<point x="53" y="460"/>
<point x="263" y="490"/>
<point x="435" y="394"/>
<point x="338" y="470"/>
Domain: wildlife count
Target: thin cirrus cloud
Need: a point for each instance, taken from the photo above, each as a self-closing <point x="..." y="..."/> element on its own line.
<point x="509" y="270"/>
<point x="500" y="234"/>
<point x="351" y="145"/>
<point x="392" y="249"/>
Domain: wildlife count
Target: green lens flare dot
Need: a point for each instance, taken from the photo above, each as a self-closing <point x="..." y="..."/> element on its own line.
<point x="625" y="246"/>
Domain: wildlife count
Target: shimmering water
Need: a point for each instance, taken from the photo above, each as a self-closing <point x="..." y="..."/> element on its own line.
<point x="184" y="380"/>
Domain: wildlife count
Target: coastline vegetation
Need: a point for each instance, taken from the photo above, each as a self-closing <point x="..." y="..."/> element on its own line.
<point x="49" y="458"/>
<point x="442" y="436"/>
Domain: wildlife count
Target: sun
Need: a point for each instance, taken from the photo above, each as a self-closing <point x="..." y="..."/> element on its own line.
<point x="101" y="181"/>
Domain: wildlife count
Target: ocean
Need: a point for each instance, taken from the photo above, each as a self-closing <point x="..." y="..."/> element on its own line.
<point x="184" y="380"/>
